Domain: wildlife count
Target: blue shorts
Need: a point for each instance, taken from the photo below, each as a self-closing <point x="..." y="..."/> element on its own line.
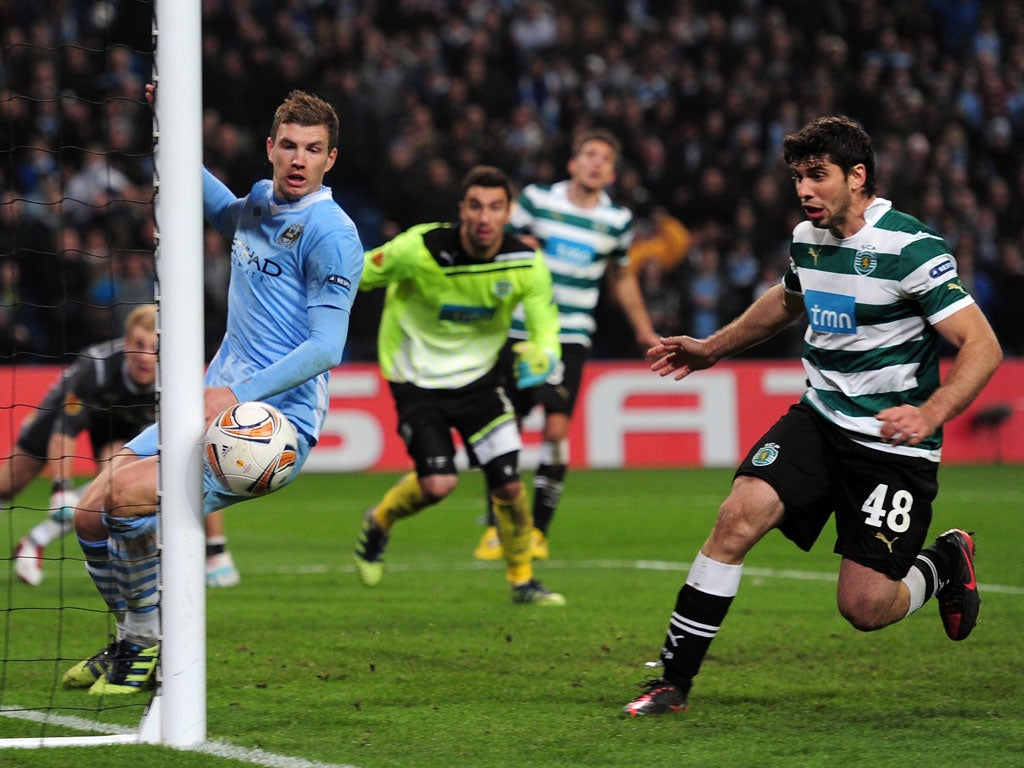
<point x="214" y="496"/>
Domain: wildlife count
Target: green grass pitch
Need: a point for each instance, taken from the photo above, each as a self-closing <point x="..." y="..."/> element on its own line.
<point x="436" y="667"/>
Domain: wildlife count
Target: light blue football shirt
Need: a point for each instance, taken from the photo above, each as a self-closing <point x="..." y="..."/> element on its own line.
<point x="287" y="258"/>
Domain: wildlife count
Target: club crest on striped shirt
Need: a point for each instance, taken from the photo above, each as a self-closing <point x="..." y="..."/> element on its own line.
<point x="766" y="454"/>
<point x="865" y="261"/>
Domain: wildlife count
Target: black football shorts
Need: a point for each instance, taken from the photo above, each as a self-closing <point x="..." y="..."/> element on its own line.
<point x="882" y="501"/>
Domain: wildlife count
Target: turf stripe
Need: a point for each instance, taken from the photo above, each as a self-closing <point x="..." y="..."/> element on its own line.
<point x="587" y="565"/>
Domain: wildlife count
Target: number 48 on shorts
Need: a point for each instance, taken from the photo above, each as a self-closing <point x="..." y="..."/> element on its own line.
<point x="894" y="512"/>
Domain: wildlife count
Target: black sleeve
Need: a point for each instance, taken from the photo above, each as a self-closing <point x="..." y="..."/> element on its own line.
<point x="77" y="385"/>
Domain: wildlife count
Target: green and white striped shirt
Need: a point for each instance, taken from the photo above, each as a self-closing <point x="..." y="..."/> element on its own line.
<point x="577" y="244"/>
<point x="872" y="300"/>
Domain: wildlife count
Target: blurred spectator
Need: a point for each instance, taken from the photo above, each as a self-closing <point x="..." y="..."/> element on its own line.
<point x="707" y="289"/>
<point x="1009" y="290"/>
<point x="979" y="282"/>
<point x="21" y="330"/>
<point x="29" y="245"/>
<point x="216" y="274"/>
<point x="134" y="283"/>
<point x="714" y="200"/>
<point x="1008" y="212"/>
<point x="533" y="29"/>
<point x="72" y="329"/>
<point x="741" y="272"/>
<point x="701" y="93"/>
<point x="660" y="237"/>
<point x="661" y="296"/>
<point x="37" y="163"/>
<point x="89" y="191"/>
<point x="441" y="201"/>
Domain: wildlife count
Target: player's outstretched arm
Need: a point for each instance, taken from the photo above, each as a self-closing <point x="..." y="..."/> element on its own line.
<point x="683" y="355"/>
<point x="321" y="351"/>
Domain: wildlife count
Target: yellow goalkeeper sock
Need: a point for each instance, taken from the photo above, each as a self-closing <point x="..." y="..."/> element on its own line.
<point x="404" y="499"/>
<point x="515" y="526"/>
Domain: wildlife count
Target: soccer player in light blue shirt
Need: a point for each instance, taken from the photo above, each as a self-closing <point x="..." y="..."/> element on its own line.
<point x="296" y="263"/>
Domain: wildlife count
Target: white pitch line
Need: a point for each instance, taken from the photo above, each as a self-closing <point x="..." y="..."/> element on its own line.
<point x="589" y="565"/>
<point x="121" y="734"/>
<point x="259" y="757"/>
<point x="564" y="565"/>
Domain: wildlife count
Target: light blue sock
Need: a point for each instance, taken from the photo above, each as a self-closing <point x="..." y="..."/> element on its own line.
<point x="101" y="571"/>
<point x="136" y="558"/>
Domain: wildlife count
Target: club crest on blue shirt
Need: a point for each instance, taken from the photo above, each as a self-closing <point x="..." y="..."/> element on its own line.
<point x="865" y="261"/>
<point x="290" y="236"/>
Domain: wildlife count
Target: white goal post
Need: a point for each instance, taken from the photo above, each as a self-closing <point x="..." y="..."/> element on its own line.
<point x="179" y="219"/>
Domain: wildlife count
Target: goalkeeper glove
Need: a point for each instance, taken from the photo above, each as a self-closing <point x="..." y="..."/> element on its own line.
<point x="533" y="364"/>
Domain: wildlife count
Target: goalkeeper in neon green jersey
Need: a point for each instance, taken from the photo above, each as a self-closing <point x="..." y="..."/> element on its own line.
<point x="451" y="289"/>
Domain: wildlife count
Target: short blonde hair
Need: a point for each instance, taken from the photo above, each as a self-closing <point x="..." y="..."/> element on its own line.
<point x="143" y="316"/>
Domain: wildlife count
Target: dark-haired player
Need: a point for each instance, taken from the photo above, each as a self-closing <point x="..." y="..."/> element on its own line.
<point x="451" y="290"/>
<point x="880" y="292"/>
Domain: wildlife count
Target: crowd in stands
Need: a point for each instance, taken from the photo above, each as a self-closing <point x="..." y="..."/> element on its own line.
<point x="76" y="178"/>
<point x="701" y="93"/>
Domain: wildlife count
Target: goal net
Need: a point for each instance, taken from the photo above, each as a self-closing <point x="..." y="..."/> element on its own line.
<point x="85" y="237"/>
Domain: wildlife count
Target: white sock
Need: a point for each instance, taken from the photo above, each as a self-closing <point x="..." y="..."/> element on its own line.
<point x="713" y="577"/>
<point x="922" y="579"/>
<point x="142" y="628"/>
<point x="48" y="531"/>
<point x="918" y="589"/>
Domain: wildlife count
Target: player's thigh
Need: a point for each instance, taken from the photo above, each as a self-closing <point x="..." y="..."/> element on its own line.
<point x="485" y="419"/>
<point x="17" y="472"/>
<point x="794" y="458"/>
<point x="36" y="429"/>
<point x="884" y="509"/>
<point x="425" y="424"/>
<point x="108" y="451"/>
<point x="215" y="497"/>
<point x="134" y="485"/>
<point x="34" y="434"/>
